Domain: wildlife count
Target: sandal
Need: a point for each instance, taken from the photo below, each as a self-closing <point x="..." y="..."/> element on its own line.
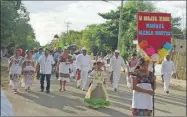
<point x="60" y="89"/>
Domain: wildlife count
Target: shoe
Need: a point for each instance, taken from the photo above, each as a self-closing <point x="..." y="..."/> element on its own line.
<point x="60" y="89"/>
<point x="41" y="90"/>
<point x="78" y="87"/>
<point x="83" y="90"/>
<point x="47" y="91"/>
<point x="115" y="89"/>
<point x="167" y="92"/>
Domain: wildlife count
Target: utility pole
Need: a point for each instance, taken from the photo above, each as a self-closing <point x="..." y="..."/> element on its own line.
<point x="67" y="26"/>
<point x="120" y="25"/>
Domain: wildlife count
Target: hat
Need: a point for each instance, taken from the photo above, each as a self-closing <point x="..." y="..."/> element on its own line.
<point x="117" y="51"/>
<point x="83" y="48"/>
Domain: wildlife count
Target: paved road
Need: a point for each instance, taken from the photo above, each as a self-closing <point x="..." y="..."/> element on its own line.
<point x="70" y="103"/>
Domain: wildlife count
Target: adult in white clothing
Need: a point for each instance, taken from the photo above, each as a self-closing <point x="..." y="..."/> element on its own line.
<point x="6" y="106"/>
<point x="84" y="65"/>
<point x="116" y="63"/>
<point x="167" y="68"/>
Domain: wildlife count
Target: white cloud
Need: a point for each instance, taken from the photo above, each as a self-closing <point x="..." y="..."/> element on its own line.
<point x="50" y="18"/>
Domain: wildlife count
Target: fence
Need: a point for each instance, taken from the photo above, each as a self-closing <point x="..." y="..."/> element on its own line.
<point x="179" y="58"/>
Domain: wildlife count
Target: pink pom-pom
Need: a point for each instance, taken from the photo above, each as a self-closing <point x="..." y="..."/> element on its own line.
<point x="150" y="51"/>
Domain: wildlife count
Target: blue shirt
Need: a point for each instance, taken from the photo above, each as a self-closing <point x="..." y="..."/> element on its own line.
<point x="37" y="56"/>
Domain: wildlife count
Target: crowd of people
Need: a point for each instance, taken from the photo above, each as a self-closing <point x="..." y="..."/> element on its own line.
<point x="91" y="75"/>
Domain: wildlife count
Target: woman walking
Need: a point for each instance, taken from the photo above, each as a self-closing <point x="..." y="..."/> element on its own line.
<point x="28" y="70"/>
<point x="142" y="104"/>
<point x="15" y="69"/>
<point x="63" y="67"/>
<point x="97" y="95"/>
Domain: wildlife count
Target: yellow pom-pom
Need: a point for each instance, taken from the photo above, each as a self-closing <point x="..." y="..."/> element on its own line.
<point x="162" y="52"/>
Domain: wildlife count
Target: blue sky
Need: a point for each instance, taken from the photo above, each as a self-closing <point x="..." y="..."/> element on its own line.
<point x="48" y="17"/>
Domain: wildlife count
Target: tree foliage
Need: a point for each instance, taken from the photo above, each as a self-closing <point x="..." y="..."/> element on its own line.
<point x="103" y="37"/>
<point x="15" y="27"/>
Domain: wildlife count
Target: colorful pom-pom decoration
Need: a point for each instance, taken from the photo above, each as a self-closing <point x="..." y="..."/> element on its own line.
<point x="143" y="44"/>
<point x="163" y="52"/>
<point x="168" y="46"/>
<point x="147" y="58"/>
<point x="150" y="51"/>
<point x="155" y="57"/>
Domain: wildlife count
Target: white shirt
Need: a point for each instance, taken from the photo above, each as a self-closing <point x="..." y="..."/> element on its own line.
<point x="168" y="67"/>
<point x="46" y="64"/>
<point x="116" y="64"/>
<point x="84" y="63"/>
<point x="6" y="106"/>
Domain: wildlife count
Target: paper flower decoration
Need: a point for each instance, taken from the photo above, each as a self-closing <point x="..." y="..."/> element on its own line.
<point x="155" y="57"/>
<point x="168" y="46"/>
<point x="162" y="52"/>
<point x="143" y="44"/>
<point x="150" y="51"/>
<point x="147" y="58"/>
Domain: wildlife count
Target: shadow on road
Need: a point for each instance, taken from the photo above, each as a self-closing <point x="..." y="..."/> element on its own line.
<point x="55" y="101"/>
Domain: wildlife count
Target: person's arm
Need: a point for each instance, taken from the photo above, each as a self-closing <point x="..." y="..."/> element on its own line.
<point x="38" y="63"/>
<point x="138" y="89"/>
<point x="78" y="62"/>
<point x="52" y="60"/>
<point x="162" y="68"/>
<point x="57" y="66"/>
<point x="111" y="65"/>
<point x="128" y="67"/>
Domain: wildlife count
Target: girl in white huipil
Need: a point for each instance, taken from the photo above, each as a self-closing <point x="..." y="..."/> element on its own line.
<point x="142" y="104"/>
<point x="63" y="67"/>
<point x="28" y="70"/>
<point x="15" y="69"/>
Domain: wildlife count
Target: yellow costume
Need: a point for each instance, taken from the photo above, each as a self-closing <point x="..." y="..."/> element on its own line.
<point x="97" y="95"/>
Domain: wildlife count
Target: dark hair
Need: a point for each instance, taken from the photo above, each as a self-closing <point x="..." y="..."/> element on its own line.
<point x="139" y="64"/>
<point x="40" y="49"/>
<point x="134" y="54"/>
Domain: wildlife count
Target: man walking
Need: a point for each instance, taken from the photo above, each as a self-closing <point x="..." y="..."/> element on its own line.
<point x="45" y="62"/>
<point x="166" y="70"/>
<point x="116" y="63"/>
<point x="84" y="65"/>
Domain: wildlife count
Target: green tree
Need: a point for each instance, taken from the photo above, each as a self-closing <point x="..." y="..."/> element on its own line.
<point x="15" y="29"/>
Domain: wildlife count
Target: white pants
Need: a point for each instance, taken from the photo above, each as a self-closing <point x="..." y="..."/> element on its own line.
<point x="84" y="78"/>
<point x="166" y="77"/>
<point x="116" y="78"/>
